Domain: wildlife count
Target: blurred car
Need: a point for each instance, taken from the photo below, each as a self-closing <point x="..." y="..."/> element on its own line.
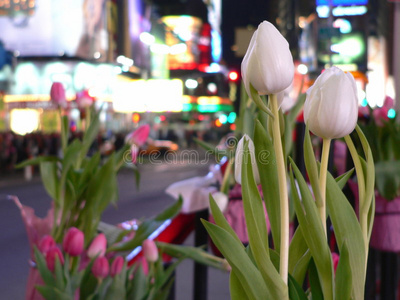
<point x="158" y="146"/>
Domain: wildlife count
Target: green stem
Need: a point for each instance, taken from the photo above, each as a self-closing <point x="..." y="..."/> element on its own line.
<point x="283" y="193"/>
<point x="362" y="211"/>
<point x="88" y="117"/>
<point x="326" y="144"/>
<point x="225" y="180"/>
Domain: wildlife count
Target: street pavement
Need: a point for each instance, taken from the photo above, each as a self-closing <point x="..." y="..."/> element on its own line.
<point x="146" y="201"/>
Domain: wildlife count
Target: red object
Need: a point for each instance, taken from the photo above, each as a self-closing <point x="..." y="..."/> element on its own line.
<point x="100" y="267"/>
<point x="150" y="250"/>
<point x="98" y="246"/>
<point x="116" y="266"/>
<point x="46" y="243"/>
<point x="73" y="242"/>
<point x="175" y="233"/>
<point x="51" y="257"/>
<point x="335" y="259"/>
<point x="205" y="46"/>
<point x="233" y="76"/>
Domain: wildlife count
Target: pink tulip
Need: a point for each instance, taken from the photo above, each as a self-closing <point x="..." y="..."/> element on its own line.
<point x="57" y="93"/>
<point x="46" y="243"/>
<point x="380" y="115"/>
<point x="116" y="266"/>
<point x="100" y="267"/>
<point x="150" y="250"/>
<point x="335" y="259"/>
<point x="83" y="99"/>
<point x="98" y="246"/>
<point x="139" y="136"/>
<point x="388" y="103"/>
<point x="51" y="256"/>
<point x="73" y="242"/>
<point x="363" y="111"/>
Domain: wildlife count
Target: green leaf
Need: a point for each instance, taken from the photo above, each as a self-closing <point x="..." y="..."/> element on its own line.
<point x="220" y="219"/>
<point x="90" y="134"/>
<point x="117" y="289"/>
<point x="266" y="163"/>
<point x="343" y="279"/>
<point x="89" y="169"/>
<point x="36" y="161"/>
<point x="310" y="223"/>
<point x="257" y="229"/>
<point x="48" y="172"/>
<point x="105" y="176"/>
<point x="213" y="150"/>
<point x="258" y="101"/>
<point x="370" y="171"/>
<point x="46" y="291"/>
<point x="148" y="227"/>
<point x="59" y="274"/>
<point x="253" y="206"/>
<point x="88" y="282"/>
<point x="347" y="228"/>
<point x="111" y="232"/>
<point x="235" y="288"/>
<point x="64" y="132"/>
<point x="342" y="179"/>
<point x="194" y="253"/>
<point x="71" y="155"/>
<point x="315" y="284"/>
<point x="138" y="287"/>
<point x="45" y="273"/>
<point x="312" y="167"/>
<point x="249" y="276"/>
<point x="295" y="290"/>
<point x="299" y="256"/>
<point x="388" y="179"/>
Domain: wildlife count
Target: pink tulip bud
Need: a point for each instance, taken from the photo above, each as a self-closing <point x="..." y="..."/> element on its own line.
<point x="57" y="93"/>
<point x="100" y="267"/>
<point x="335" y="259"/>
<point x="98" y="246"/>
<point x="380" y="115"/>
<point x="116" y="266"/>
<point x="51" y="256"/>
<point x="83" y="99"/>
<point x="139" y="136"/>
<point x="73" y="242"/>
<point x="388" y="103"/>
<point x="150" y="250"/>
<point x="46" y="243"/>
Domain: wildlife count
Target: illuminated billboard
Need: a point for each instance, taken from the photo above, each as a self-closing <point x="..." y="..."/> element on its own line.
<point x="342" y="2"/>
<point x="154" y="95"/>
<point x="181" y="38"/>
<point x="76" y="28"/>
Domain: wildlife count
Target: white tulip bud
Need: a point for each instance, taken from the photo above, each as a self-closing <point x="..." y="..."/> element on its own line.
<point x="268" y="63"/>
<point x="331" y="107"/>
<point x="239" y="158"/>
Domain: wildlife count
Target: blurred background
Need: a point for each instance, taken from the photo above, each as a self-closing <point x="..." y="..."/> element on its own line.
<point x="172" y="64"/>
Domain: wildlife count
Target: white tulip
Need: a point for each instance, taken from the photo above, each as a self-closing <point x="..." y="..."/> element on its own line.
<point x="239" y="158"/>
<point x="331" y="107"/>
<point x="268" y="63"/>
